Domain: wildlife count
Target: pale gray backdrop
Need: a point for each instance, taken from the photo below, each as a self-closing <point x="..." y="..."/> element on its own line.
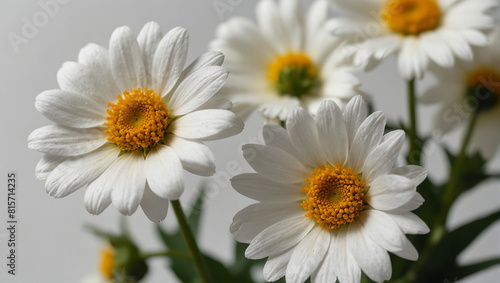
<point x="52" y="243"/>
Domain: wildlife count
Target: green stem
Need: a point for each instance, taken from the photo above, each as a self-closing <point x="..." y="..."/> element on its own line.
<point x="452" y="189"/>
<point x="415" y="153"/>
<point x="451" y="192"/>
<point x="170" y="254"/>
<point x="191" y="244"/>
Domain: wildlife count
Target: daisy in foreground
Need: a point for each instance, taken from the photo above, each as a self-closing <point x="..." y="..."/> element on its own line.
<point x="419" y="31"/>
<point x="128" y="120"/>
<point x="468" y="88"/>
<point x="330" y="202"/>
<point x="286" y="60"/>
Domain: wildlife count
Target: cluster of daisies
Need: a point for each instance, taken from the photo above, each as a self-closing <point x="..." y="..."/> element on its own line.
<point x="330" y="203"/>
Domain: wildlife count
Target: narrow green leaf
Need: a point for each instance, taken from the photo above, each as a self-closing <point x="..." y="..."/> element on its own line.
<point x="464" y="271"/>
<point x="454" y="242"/>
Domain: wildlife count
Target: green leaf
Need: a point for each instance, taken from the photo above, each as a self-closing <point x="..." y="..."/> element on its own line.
<point x="464" y="271"/>
<point x="443" y="257"/>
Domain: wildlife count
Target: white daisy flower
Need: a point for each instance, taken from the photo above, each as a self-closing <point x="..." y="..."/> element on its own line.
<point x="330" y="202"/>
<point x="471" y="86"/>
<point x="418" y="31"/>
<point x="129" y="119"/>
<point x="286" y="60"/>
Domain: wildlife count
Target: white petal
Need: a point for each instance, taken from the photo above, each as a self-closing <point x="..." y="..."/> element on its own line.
<point x="259" y="188"/>
<point x="389" y="192"/>
<point x="97" y="80"/>
<point x="437" y="49"/>
<point x="384" y="156"/>
<point x="316" y="16"/>
<point x="408" y="251"/>
<point x="126" y="59"/>
<point x="216" y="102"/>
<point x="415" y="202"/>
<point x="279" y="237"/>
<point x="275" y="266"/>
<point x="293" y="19"/>
<point x="46" y="165"/>
<point x="303" y="134"/>
<point x="460" y="46"/>
<point x="326" y="271"/>
<point x="148" y="40"/>
<point x="253" y="219"/>
<point x="239" y="37"/>
<point x="209" y="124"/>
<point x="277" y="136"/>
<point x="154" y="207"/>
<point x="271" y="24"/>
<point x="70" y="108"/>
<point x="169" y="60"/>
<point x="194" y="156"/>
<point x="307" y="255"/>
<point x="486" y="126"/>
<point x="412" y="61"/>
<point x="128" y="181"/>
<point x="164" y="172"/>
<point x="332" y="133"/>
<point x="78" y="172"/>
<point x="197" y="89"/>
<point x="415" y="173"/>
<point x="355" y="113"/>
<point x="343" y="263"/>
<point x="367" y="137"/>
<point x="409" y="222"/>
<point x="275" y="163"/>
<point x="60" y="140"/>
<point x="444" y="90"/>
<point x="207" y="59"/>
<point x="98" y="194"/>
<point x="383" y="230"/>
<point x="373" y="260"/>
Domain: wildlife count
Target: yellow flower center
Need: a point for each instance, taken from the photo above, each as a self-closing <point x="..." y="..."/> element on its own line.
<point x="138" y="120"/>
<point x="293" y="74"/>
<point x="335" y="196"/>
<point x="483" y="88"/>
<point x="412" y="17"/>
<point x="108" y="262"/>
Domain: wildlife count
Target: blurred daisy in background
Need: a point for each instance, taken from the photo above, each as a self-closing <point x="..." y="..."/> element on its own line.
<point x="128" y="120"/>
<point x="418" y="31"/>
<point x="330" y="201"/>
<point x="468" y="87"/>
<point x="286" y="60"/>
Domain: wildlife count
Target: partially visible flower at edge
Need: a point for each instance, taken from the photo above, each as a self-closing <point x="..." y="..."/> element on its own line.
<point x="470" y="86"/>
<point x="418" y="31"/>
<point x="330" y="202"/>
<point x="287" y="59"/>
<point x="128" y="120"/>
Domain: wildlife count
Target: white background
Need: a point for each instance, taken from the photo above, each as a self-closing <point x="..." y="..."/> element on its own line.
<point x="53" y="245"/>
